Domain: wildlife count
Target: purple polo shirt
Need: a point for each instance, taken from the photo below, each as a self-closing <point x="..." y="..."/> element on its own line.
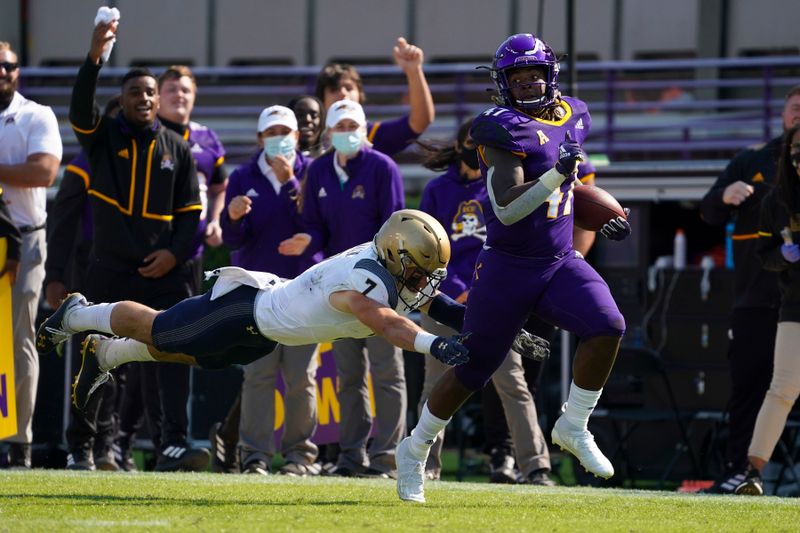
<point x="273" y="218"/>
<point x="459" y="205"/>
<point x="339" y="216"/>
<point x="209" y="157"/>
<point x="391" y="136"/>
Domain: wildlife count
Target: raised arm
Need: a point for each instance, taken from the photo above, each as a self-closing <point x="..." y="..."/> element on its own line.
<point x="410" y="59"/>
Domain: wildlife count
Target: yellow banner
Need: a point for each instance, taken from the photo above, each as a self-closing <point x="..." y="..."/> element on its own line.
<point x="8" y="405"/>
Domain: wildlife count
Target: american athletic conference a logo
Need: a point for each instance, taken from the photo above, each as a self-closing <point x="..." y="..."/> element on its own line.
<point x="469" y="221"/>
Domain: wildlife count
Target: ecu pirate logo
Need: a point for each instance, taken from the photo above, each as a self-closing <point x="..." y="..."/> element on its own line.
<point x="166" y="162"/>
<point x="469" y="221"/>
<point x="358" y="192"/>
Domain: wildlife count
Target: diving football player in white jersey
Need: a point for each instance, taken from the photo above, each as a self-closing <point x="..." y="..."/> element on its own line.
<point x="364" y="291"/>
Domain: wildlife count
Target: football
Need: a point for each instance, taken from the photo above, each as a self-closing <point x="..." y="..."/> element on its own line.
<point x="594" y="207"/>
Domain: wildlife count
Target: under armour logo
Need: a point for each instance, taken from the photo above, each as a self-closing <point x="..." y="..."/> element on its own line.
<point x="251" y="330"/>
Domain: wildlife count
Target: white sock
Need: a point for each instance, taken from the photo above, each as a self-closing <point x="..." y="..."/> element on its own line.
<point x="425" y="433"/>
<point x="119" y="351"/>
<point x="580" y="404"/>
<point x="94" y="317"/>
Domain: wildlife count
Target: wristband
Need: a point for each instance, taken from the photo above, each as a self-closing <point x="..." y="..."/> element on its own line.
<point x="423" y="342"/>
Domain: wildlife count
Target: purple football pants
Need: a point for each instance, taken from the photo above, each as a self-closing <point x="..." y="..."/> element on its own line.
<point x="566" y="292"/>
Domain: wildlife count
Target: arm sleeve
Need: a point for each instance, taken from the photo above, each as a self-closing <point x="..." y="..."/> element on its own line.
<point x="391" y="136"/>
<point x="187" y="206"/>
<point x="769" y="236"/>
<point x="84" y="114"/>
<point x="9" y="231"/>
<point x="220" y="174"/>
<point x="44" y="136"/>
<point x="713" y="210"/>
<point x="234" y="234"/>
<point x="312" y="216"/>
<point x="66" y="215"/>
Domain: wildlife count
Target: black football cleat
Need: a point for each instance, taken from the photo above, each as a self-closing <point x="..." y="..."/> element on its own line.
<point x="180" y="457"/>
<point x="52" y="332"/>
<point x="90" y="377"/>
<point x="224" y="458"/>
<point x="752" y="484"/>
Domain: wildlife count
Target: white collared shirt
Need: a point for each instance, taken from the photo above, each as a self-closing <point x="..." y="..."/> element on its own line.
<point x="270" y="174"/>
<point x="27" y="128"/>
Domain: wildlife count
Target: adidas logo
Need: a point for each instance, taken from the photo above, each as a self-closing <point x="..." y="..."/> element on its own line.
<point x="579" y="124"/>
<point x="322" y="193"/>
<point x="252" y="193"/>
<point x="196" y="149"/>
<point x="123" y="153"/>
<point x="174" y="452"/>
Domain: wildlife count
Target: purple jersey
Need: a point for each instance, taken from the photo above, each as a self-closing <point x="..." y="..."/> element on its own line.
<point x="547" y="232"/>
<point x="339" y="215"/>
<point x="273" y="218"/>
<point x="459" y="205"/>
<point x="209" y="156"/>
<point x="391" y="136"/>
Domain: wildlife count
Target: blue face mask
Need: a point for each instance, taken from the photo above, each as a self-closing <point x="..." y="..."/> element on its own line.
<point x="280" y="145"/>
<point x="347" y="142"/>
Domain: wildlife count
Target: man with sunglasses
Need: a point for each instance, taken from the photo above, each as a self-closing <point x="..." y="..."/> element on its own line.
<point x="30" y="152"/>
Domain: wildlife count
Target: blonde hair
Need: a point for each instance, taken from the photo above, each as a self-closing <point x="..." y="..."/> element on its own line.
<point x="6" y="47"/>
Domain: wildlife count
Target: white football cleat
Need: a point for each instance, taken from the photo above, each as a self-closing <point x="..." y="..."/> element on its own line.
<point x="580" y="443"/>
<point x="410" y="474"/>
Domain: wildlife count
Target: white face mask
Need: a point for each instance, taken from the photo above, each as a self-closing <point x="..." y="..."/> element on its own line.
<point x="280" y="145"/>
<point x="347" y="142"/>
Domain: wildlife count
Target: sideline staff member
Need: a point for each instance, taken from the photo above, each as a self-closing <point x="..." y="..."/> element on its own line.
<point x="30" y="152"/>
<point x="146" y="207"/>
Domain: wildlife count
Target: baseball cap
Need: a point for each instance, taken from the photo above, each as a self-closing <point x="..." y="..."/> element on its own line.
<point x="277" y="115"/>
<point x="345" y="109"/>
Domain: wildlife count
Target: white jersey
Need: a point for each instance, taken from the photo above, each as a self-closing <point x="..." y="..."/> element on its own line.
<point x="298" y="311"/>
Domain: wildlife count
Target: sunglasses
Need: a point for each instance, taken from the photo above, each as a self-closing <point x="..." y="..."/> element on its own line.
<point x="9" y="67"/>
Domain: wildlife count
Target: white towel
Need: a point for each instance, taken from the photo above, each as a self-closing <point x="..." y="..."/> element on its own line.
<point x="104" y="16"/>
<point x="232" y="277"/>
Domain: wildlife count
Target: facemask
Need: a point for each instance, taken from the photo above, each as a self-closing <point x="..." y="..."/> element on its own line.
<point x="280" y="145"/>
<point x="470" y="157"/>
<point x="347" y="142"/>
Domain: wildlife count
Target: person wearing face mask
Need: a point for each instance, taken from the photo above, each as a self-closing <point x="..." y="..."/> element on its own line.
<point x="340" y="81"/>
<point x="779" y="251"/>
<point x="260" y="213"/>
<point x="458" y="199"/>
<point x="349" y="192"/>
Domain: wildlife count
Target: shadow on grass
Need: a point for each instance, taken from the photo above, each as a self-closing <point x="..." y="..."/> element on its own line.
<point x="145" y="501"/>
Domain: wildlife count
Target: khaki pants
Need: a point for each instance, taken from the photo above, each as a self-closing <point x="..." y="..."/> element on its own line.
<point x="24" y="304"/>
<point x="389" y="387"/>
<point x="782" y="393"/>
<point x="298" y="365"/>
<point x="523" y="422"/>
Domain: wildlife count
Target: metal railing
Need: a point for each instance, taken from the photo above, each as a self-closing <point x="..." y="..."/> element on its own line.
<point x="641" y="110"/>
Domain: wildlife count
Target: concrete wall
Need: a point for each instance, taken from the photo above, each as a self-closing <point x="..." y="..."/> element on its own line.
<point x="367" y="29"/>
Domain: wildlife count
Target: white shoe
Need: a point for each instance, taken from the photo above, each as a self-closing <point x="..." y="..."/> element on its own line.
<point x="580" y="443"/>
<point x="410" y="474"/>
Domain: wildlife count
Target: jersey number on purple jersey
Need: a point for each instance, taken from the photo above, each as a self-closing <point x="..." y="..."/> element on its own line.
<point x="554" y="201"/>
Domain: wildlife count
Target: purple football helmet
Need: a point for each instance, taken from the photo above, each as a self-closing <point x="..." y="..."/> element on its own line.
<point x="525" y="50"/>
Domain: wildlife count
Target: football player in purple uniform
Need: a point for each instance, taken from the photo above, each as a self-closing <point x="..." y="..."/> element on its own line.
<point x="339" y="81"/>
<point x="530" y="150"/>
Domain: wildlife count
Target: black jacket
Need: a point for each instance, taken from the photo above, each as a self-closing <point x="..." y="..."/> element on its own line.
<point x="143" y="186"/>
<point x="755" y="287"/>
<point x="9" y="231"/>
<point x="773" y="219"/>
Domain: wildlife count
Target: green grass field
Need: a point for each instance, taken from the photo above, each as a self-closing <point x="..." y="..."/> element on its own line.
<point x="60" y="501"/>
